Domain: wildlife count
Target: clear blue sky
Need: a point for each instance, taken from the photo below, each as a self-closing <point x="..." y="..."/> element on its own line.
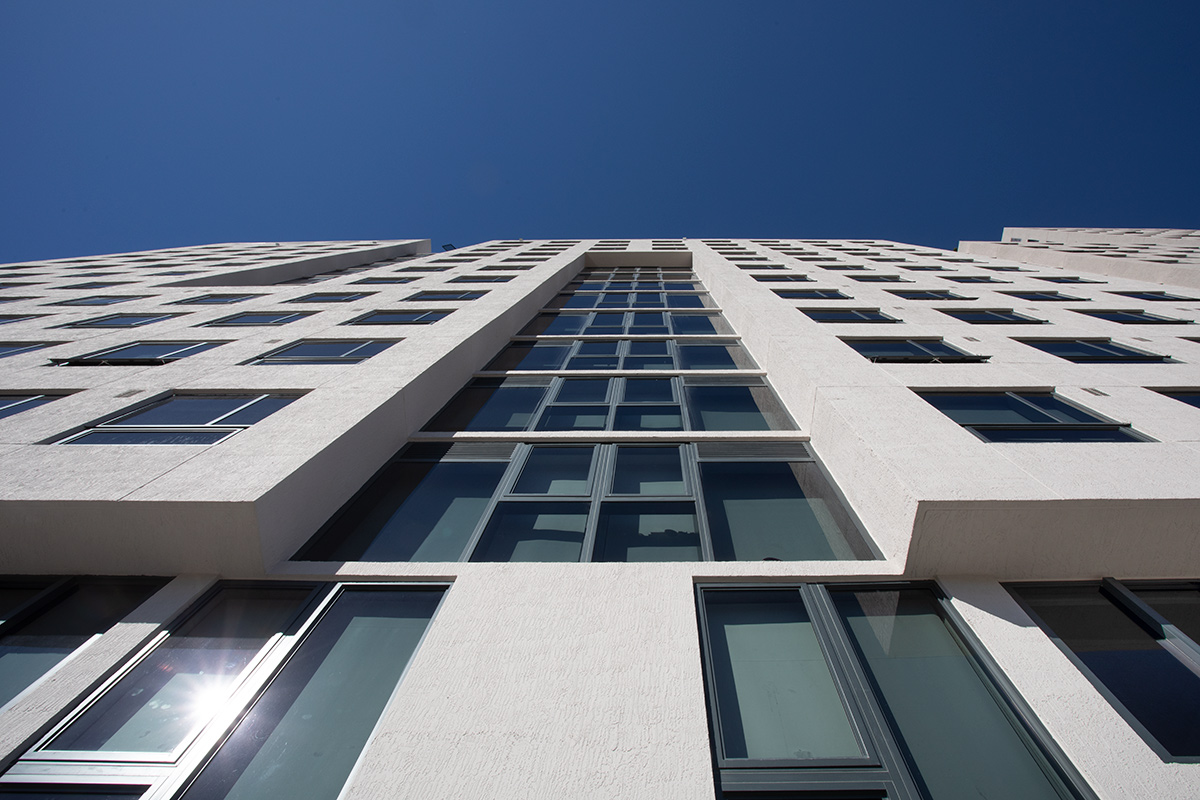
<point x="134" y="125"/>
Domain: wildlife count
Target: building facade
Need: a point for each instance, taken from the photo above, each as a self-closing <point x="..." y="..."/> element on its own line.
<point x="602" y="518"/>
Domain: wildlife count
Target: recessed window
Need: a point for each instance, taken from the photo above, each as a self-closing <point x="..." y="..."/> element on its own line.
<point x="1157" y="296"/>
<point x="481" y="279"/>
<point x="122" y="321"/>
<point x="216" y="299"/>
<point x="910" y="350"/>
<point x="331" y="297"/>
<point x="183" y="419"/>
<point x="824" y="691"/>
<point x="399" y="318"/>
<point x="812" y="294"/>
<point x="1134" y="641"/>
<point x="1007" y="269"/>
<point x="879" y="279"/>
<point x="16" y="403"/>
<point x="100" y="300"/>
<point x="7" y="318"/>
<point x="1043" y="297"/>
<point x="324" y="351"/>
<point x="847" y="315"/>
<point x="255" y="318"/>
<point x="438" y="297"/>
<point x="638" y="354"/>
<point x="971" y="279"/>
<point x="842" y="267"/>
<point x="990" y="316"/>
<point x="1093" y="351"/>
<point x="1065" y="279"/>
<point x="782" y="278"/>
<point x="16" y="348"/>
<point x="94" y="285"/>
<point x="927" y="294"/>
<point x="1027" y="417"/>
<point x="925" y="268"/>
<point x="385" y="279"/>
<point x="1133" y="317"/>
<point x="139" y="354"/>
<point x="1189" y="396"/>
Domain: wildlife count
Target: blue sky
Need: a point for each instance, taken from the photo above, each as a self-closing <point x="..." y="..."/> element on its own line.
<point x="136" y="125"/>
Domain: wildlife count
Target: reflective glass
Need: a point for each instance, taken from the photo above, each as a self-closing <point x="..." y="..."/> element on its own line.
<point x="86" y="609"/>
<point x="176" y="689"/>
<point x="118" y="436"/>
<point x="648" y="471"/>
<point x="648" y="418"/>
<point x="574" y="418"/>
<point x="759" y="511"/>
<point x="1060" y="435"/>
<point x="256" y="411"/>
<point x="705" y="356"/>
<point x="530" y="357"/>
<point x="533" y="532"/>
<point x="692" y="324"/>
<point x="647" y="532"/>
<point x="648" y="390"/>
<point x="583" y="390"/>
<point x="303" y="737"/>
<point x="776" y="698"/>
<point x="191" y="410"/>
<point x="556" y="470"/>
<point x="413" y="511"/>
<point x="725" y="408"/>
<point x="14" y="404"/>
<point x="684" y="301"/>
<point x="961" y="741"/>
<point x="991" y="409"/>
<point x="489" y="405"/>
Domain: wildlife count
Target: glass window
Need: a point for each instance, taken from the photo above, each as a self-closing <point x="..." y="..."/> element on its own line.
<point x="121" y="321"/>
<point x="879" y="279"/>
<point x="1064" y="279"/>
<point x="385" y="279"/>
<point x="171" y="693"/>
<point x="534" y="532"/>
<point x="1189" y="396"/>
<point x="1026" y="417"/>
<point x="331" y="297"/>
<point x="647" y="531"/>
<point x="1053" y="297"/>
<point x="1156" y="296"/>
<point x="64" y="618"/>
<point x="255" y="318"/>
<point x="914" y="350"/>
<point x="648" y="471"/>
<point x="217" y="299"/>
<point x="139" y="353"/>
<point x="184" y="419"/>
<point x="531" y="357"/>
<point x="927" y="294"/>
<point x="100" y="300"/>
<point x="399" y="318"/>
<point x="847" y="315"/>
<point x="1093" y="351"/>
<point x="557" y="471"/>
<point x="781" y="278"/>
<point x="734" y="408"/>
<point x="304" y="735"/>
<point x="990" y="316"/>
<point x="436" y="297"/>
<point x="329" y="351"/>
<point x="16" y="403"/>
<point x="812" y="294"/>
<point x="1133" y="317"/>
<point x="16" y="348"/>
<point x="972" y="279"/>
<point x="490" y="404"/>
<point x="1145" y="670"/>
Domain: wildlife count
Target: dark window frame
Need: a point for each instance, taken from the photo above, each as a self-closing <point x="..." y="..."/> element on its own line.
<point x="98" y="357"/>
<point x="1102" y="423"/>
<point x="111" y="422"/>
<point x="929" y="357"/>
<point x="1131" y="355"/>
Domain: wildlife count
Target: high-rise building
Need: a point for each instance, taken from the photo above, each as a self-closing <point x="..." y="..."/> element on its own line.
<point x="754" y="519"/>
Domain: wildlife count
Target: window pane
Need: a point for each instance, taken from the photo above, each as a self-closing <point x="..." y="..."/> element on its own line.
<point x="489" y="405"/>
<point x="648" y="418"/>
<point x="1151" y="683"/>
<point x="15" y="404"/>
<point x="304" y="735"/>
<point x="961" y="742"/>
<point x="725" y="408"/>
<point x="648" y="390"/>
<point x="1060" y="435"/>
<point x="556" y="470"/>
<point x="981" y="409"/>
<point x="691" y="324"/>
<point x="534" y="532"/>
<point x="89" y="608"/>
<point x="647" y="532"/>
<point x="705" y="356"/>
<point x="81" y="792"/>
<point x="182" y="683"/>
<point x="523" y="356"/>
<point x="1180" y="607"/>
<point x="195" y="410"/>
<point x="648" y="471"/>
<point x="775" y="696"/>
<point x="759" y="511"/>
<point x="583" y="390"/>
<point x="257" y="411"/>
<point x="574" y="418"/>
<point x="118" y="436"/>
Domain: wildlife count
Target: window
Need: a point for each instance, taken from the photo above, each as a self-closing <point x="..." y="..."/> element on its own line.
<point x="847" y="315"/>
<point x="782" y="278"/>
<point x="100" y="300"/>
<point x="1043" y="297"/>
<point x="927" y="294"/>
<point x="1027" y="417"/>
<point x="622" y="404"/>
<point x="860" y="691"/>
<point x="812" y="294"/>
<point x="94" y="285"/>
<point x="438" y="297"/>
<point x="638" y="354"/>
<point x="16" y="348"/>
<point x="481" y="279"/>
<point x="925" y="268"/>
<point x="183" y="419"/>
<point x="7" y="318"/>
<point x="504" y="502"/>
<point x="642" y="323"/>
<point x="1133" y="317"/>
<point x="325" y="351"/>
<point x="320" y="661"/>
<point x="138" y="353"/>
<point x="990" y="316"/>
<point x="16" y="403"/>
<point x="382" y="279"/>
<point x="216" y="299"/>
<point x="628" y="300"/>
<point x="44" y="622"/>
<point x="1156" y="296"/>
<point x="256" y="318"/>
<point x="910" y="350"/>
<point x="879" y="279"/>
<point x="331" y="297"/>
<point x="971" y="279"/>
<point x="1093" y="351"/>
<point x="1137" y="643"/>
<point x="399" y="318"/>
<point x="121" y="321"/>
<point x="1065" y="279"/>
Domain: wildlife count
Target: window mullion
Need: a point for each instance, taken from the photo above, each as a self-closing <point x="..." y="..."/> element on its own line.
<point x="1175" y="641"/>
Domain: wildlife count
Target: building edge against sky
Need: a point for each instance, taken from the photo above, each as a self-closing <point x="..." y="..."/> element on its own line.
<point x="999" y="427"/>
